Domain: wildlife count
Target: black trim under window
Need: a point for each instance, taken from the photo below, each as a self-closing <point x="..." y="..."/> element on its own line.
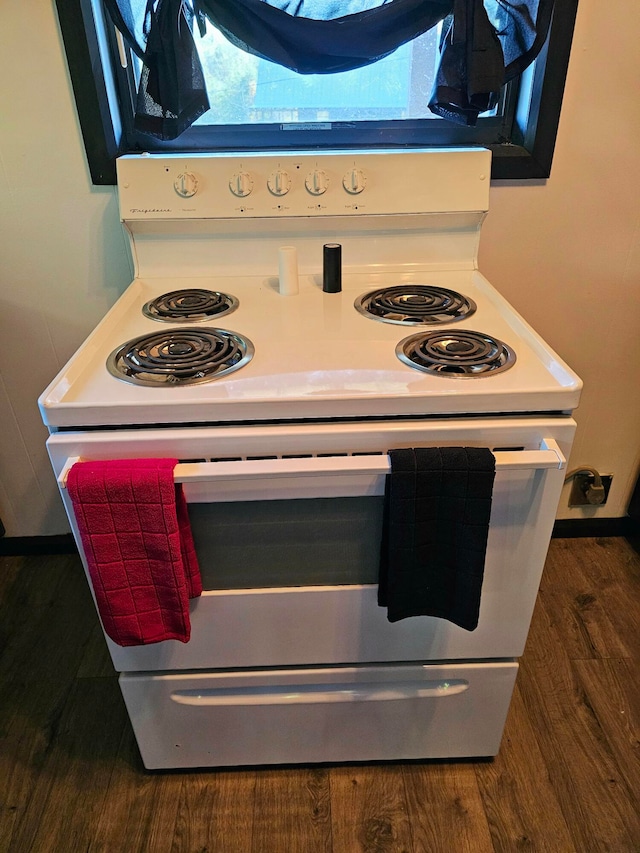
<point x="522" y="147"/>
<point x="80" y="40"/>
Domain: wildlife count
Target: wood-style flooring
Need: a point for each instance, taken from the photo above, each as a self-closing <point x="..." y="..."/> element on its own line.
<point x="567" y="777"/>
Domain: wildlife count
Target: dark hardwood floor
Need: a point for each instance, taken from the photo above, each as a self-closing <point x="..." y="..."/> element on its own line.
<point x="567" y="777"/>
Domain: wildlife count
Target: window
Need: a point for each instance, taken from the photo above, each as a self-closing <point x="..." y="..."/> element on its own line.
<point x="246" y="90"/>
<point x="257" y="105"/>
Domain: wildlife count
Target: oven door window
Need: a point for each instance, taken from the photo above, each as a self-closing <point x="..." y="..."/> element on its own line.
<point x="288" y="543"/>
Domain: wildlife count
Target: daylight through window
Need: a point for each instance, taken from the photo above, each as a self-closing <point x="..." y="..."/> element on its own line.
<point x="244" y="89"/>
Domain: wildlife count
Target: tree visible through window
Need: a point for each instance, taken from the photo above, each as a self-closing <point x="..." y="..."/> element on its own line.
<point x="245" y="89"/>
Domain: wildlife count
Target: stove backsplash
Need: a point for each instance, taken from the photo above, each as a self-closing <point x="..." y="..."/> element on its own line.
<point x="421" y="207"/>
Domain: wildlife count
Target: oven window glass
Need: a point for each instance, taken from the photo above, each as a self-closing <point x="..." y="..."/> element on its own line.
<point x="288" y="543"/>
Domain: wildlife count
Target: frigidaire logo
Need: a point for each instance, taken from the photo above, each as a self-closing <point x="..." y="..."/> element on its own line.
<point x="150" y="210"/>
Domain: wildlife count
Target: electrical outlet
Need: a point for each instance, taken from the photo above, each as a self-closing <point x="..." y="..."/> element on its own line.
<point x="580" y="487"/>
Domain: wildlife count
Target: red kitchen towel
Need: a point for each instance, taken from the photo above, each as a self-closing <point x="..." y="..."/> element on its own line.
<point x="137" y="539"/>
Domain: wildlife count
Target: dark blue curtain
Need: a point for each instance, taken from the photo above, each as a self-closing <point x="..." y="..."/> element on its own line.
<point x="485" y="44"/>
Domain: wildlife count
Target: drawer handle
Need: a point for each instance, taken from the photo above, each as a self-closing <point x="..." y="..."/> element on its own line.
<point x="548" y="456"/>
<point x="312" y="695"/>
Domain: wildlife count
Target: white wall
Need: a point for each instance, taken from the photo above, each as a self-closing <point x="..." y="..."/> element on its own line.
<point x="566" y="252"/>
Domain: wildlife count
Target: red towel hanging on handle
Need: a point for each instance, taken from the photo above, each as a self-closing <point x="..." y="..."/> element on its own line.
<point x="139" y="548"/>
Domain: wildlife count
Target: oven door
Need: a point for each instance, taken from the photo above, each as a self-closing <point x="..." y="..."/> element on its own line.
<point x="287" y="523"/>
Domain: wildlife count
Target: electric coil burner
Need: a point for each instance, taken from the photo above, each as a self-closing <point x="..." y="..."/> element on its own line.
<point x="189" y="305"/>
<point x="180" y="357"/>
<point x="415" y="304"/>
<point x="459" y="354"/>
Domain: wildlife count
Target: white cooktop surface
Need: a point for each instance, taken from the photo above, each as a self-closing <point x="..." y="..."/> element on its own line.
<point x="315" y="357"/>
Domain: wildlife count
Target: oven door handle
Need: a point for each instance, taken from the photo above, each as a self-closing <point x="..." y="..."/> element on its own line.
<point x="320" y="694"/>
<point x="317" y="476"/>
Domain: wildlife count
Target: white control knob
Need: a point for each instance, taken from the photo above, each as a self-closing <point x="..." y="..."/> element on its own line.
<point x="241" y="184"/>
<point x="316" y="182"/>
<point x="279" y="182"/>
<point x="186" y="185"/>
<point x="354" y="181"/>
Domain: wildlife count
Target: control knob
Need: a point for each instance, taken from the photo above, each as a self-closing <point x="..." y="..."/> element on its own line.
<point x="186" y="184"/>
<point x="354" y="181"/>
<point x="241" y="184"/>
<point x="316" y="182"/>
<point x="279" y="182"/>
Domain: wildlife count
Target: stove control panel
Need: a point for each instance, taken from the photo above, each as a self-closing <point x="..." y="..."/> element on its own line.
<point x="309" y="184"/>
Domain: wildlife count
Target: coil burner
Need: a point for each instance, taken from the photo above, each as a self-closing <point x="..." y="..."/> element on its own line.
<point x="415" y="304"/>
<point x="180" y="357"/>
<point x="189" y="305"/>
<point x="457" y="354"/>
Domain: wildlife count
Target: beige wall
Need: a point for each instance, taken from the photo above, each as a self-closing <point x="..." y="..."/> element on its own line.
<point x="63" y="257"/>
<point x="566" y="252"/>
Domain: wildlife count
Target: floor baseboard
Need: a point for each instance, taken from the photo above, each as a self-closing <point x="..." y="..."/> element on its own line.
<point x="23" y="546"/>
<point x="569" y="528"/>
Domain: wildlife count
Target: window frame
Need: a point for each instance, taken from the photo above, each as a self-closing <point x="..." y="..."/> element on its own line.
<point x="524" y="153"/>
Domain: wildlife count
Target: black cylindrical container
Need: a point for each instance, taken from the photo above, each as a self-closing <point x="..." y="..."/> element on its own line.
<point x="332" y="268"/>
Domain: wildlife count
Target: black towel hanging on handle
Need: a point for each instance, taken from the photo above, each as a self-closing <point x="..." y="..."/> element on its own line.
<point x="436" y="524"/>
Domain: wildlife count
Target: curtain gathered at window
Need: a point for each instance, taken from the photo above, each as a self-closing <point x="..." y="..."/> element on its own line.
<point x="485" y="44"/>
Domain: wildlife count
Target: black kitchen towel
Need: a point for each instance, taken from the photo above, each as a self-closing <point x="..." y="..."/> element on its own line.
<point x="434" y="538"/>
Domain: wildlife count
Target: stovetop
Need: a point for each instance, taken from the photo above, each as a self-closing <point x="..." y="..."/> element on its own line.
<point x="219" y="223"/>
<point x="315" y="356"/>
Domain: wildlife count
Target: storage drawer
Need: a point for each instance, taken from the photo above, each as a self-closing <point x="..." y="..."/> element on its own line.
<point x="334" y="714"/>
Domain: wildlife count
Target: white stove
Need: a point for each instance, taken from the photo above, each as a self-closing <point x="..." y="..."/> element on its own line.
<point x="284" y="457"/>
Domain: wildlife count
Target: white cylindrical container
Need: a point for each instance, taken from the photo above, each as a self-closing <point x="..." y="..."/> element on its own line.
<point x="288" y="270"/>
